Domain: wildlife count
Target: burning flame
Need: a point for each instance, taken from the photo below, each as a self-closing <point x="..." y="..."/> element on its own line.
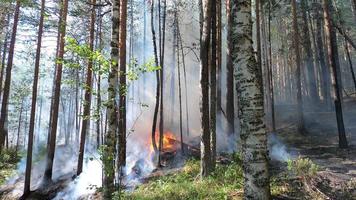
<point x="169" y="141"/>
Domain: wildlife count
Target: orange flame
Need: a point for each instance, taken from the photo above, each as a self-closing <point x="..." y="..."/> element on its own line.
<point x="169" y="141"/>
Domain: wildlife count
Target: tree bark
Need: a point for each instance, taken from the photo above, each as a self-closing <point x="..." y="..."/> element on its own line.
<point x="311" y="81"/>
<point x="204" y="84"/>
<point x="87" y="95"/>
<point x="321" y="55"/>
<point x="123" y="86"/>
<point x="249" y="83"/>
<point x="230" y="115"/>
<point x="333" y="59"/>
<point x="33" y="104"/>
<point x="155" y="115"/>
<point x="213" y="86"/>
<point x="297" y="73"/>
<point x="6" y="93"/>
<point x="57" y="91"/>
<point x="109" y="152"/>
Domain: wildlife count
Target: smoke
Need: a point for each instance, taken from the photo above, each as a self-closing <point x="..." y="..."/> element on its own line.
<point x="277" y="150"/>
<point x="86" y="183"/>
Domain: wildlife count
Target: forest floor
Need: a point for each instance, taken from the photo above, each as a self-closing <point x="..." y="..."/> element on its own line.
<point x="335" y="178"/>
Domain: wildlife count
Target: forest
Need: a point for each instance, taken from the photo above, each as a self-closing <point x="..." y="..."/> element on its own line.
<point x="177" y="99"/>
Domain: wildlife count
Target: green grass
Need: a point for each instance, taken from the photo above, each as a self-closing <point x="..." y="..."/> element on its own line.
<point x="8" y="161"/>
<point x="224" y="183"/>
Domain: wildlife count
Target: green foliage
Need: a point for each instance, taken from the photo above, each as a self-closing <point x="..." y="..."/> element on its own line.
<point x="303" y="167"/>
<point x="8" y="161"/>
<point x="186" y="184"/>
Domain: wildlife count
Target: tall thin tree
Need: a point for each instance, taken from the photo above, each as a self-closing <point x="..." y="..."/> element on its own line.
<point x="333" y="58"/>
<point x="88" y="92"/>
<point x="6" y="93"/>
<point x="56" y="98"/>
<point x="33" y="104"/>
<point x="297" y="72"/>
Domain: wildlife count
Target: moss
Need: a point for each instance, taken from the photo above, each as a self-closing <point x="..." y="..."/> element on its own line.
<point x="224" y="183"/>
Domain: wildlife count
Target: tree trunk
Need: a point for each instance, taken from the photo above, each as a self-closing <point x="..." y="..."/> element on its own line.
<point x="6" y="93"/>
<point x="57" y="91"/>
<point x="155" y="115"/>
<point x="110" y="140"/>
<point x="249" y="83"/>
<point x="219" y="56"/>
<point x="311" y="81"/>
<point x="213" y="88"/>
<point x="230" y="115"/>
<point x="33" y="104"/>
<point x="4" y="51"/>
<point x="204" y="84"/>
<point x="123" y="86"/>
<point x="321" y="54"/>
<point x="353" y="4"/>
<point x="297" y="73"/>
<point x="350" y="63"/>
<point x="87" y="95"/>
<point x="19" y="126"/>
<point x="335" y="69"/>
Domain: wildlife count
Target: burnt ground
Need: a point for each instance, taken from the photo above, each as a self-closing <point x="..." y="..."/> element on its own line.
<point x="336" y="178"/>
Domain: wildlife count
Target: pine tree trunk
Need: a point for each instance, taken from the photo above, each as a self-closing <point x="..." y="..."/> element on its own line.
<point x="87" y="95"/>
<point x="155" y="115"/>
<point x="57" y="89"/>
<point x="33" y="104"/>
<point x="321" y="55"/>
<point x="109" y="152"/>
<point x="297" y="73"/>
<point x="204" y="84"/>
<point x="230" y="115"/>
<point x="123" y="86"/>
<point x="6" y="93"/>
<point x="213" y="88"/>
<point x="335" y="69"/>
<point x="311" y="81"/>
<point x="350" y="63"/>
<point x="4" y="51"/>
<point x="249" y="83"/>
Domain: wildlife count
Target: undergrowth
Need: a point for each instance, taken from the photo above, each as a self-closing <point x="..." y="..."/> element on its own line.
<point x="8" y="161"/>
<point x="186" y="184"/>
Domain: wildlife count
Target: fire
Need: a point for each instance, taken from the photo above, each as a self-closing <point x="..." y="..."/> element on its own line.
<point x="169" y="141"/>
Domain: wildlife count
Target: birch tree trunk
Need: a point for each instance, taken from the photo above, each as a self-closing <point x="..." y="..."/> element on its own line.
<point x="110" y="139"/>
<point x="249" y="84"/>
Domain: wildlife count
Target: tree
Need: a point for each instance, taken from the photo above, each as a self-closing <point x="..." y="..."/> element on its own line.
<point x="249" y="83"/>
<point x="297" y="72"/>
<point x="230" y="111"/>
<point x="204" y="84"/>
<point x="123" y="86"/>
<point x="110" y="140"/>
<point x="56" y="98"/>
<point x="333" y="59"/>
<point x="88" y="91"/>
<point x="213" y="85"/>
<point x="311" y="81"/>
<point x="33" y="104"/>
<point x="6" y="93"/>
